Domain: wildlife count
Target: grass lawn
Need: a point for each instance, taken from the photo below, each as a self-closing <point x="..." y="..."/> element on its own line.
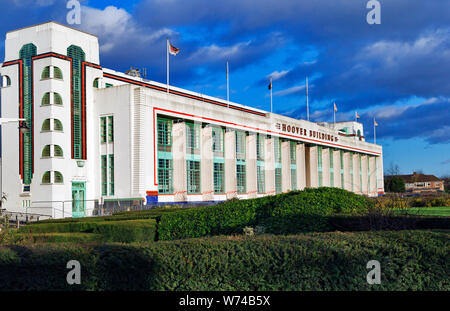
<point x="430" y="211"/>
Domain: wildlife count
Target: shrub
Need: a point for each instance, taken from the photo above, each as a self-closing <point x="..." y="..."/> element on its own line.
<point x="410" y="260"/>
<point x="117" y="231"/>
<point x="296" y="211"/>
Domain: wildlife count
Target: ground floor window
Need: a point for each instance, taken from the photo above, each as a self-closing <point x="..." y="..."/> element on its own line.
<point x="104" y="175"/>
<point x="261" y="179"/>
<point x="278" y="186"/>
<point x="341" y="155"/>
<point x="193" y="176"/>
<point x="331" y="168"/>
<point x="219" y="177"/>
<point x="165" y="176"/>
<point x="293" y="178"/>
<point x="111" y="174"/>
<point x="241" y="178"/>
<point x="319" y="164"/>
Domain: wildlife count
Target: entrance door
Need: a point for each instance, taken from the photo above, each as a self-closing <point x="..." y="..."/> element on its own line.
<point x="78" y="199"/>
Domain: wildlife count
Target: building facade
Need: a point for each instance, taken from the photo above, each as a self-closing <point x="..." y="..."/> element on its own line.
<point x="96" y="136"/>
<point x="421" y="183"/>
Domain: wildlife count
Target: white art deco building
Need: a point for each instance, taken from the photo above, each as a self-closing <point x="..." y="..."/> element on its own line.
<point x="100" y="136"/>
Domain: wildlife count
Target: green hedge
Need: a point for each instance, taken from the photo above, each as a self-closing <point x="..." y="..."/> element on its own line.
<point x="410" y="260"/>
<point x="70" y="237"/>
<point x="293" y="212"/>
<point x="114" y="231"/>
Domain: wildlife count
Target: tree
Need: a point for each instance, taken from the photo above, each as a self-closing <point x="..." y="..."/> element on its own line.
<point x="393" y="170"/>
<point x="394" y="184"/>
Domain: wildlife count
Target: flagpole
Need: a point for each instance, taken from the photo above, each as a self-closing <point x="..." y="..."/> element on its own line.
<point x="271" y="87"/>
<point x="334" y="113"/>
<point x="228" y="87"/>
<point x="307" y="100"/>
<point x="374" y="132"/>
<point x="167" y="51"/>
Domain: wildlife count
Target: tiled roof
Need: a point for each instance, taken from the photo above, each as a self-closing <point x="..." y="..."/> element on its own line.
<point x="412" y="178"/>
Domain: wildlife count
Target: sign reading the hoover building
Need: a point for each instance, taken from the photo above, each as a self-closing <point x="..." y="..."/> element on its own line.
<point x="305" y="132"/>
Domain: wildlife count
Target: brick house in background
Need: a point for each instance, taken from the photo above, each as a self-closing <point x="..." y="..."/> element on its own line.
<point x="416" y="183"/>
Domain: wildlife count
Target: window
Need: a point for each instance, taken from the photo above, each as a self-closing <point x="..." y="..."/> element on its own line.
<point x="57" y="73"/>
<point x="360" y="173"/>
<point x="218" y="140"/>
<point x="46" y="125"/>
<point x="110" y="129"/>
<point x="164" y="134"/>
<point x="241" y="178"/>
<point x="103" y="129"/>
<point x="319" y="164"/>
<point x="46" y="73"/>
<point x="46" y="99"/>
<point x="58" y="151"/>
<point x="46" y="152"/>
<point x="108" y="85"/>
<point x="277" y="150"/>
<point x="58" y="178"/>
<point x="111" y="174"/>
<point x="260" y="142"/>
<point x="293" y="150"/>
<point x="278" y="186"/>
<point x="293" y="178"/>
<point x="46" y="178"/>
<point x="193" y="176"/>
<point x="6" y="81"/>
<point x="58" y="125"/>
<point x="165" y="173"/>
<point x="261" y="178"/>
<point x="104" y="184"/>
<point x="57" y="99"/>
<point x="219" y="177"/>
<point x="95" y="84"/>
<point x="351" y="168"/>
<point x="192" y="138"/>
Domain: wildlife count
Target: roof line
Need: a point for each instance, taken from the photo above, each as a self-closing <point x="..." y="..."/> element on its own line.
<point x="54" y="22"/>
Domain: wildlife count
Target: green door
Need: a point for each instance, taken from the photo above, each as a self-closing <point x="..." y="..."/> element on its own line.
<point x="78" y="199"/>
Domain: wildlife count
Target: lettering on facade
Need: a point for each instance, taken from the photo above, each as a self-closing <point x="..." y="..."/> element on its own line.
<point x="292" y="129"/>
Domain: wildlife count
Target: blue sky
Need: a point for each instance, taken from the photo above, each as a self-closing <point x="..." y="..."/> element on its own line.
<point x="397" y="72"/>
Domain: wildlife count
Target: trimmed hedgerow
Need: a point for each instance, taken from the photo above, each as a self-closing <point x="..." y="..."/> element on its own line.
<point x="115" y="231"/>
<point x="410" y="260"/>
<point x="68" y="237"/>
<point x="296" y="211"/>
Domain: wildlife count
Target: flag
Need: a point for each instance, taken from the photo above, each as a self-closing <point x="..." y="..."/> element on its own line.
<point x="270" y="85"/>
<point x="335" y="107"/>
<point x="375" y="122"/>
<point x="173" y="50"/>
<point x="356" y="115"/>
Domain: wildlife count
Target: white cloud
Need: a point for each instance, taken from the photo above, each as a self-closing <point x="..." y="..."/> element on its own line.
<point x="276" y="75"/>
<point x="215" y="52"/>
<point x="291" y="90"/>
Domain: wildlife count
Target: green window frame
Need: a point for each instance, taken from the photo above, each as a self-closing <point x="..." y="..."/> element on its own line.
<point x="218" y="141"/>
<point x="219" y="177"/>
<point x="103" y="129"/>
<point x="46" y="178"/>
<point x="241" y="178"/>
<point x="293" y="151"/>
<point x="110" y="129"/>
<point x="193" y="177"/>
<point x="95" y="83"/>
<point x="278" y="180"/>
<point x="111" y="174"/>
<point x="46" y="125"/>
<point x="58" y="151"/>
<point x="351" y="169"/>
<point x="57" y="125"/>
<point x="104" y="175"/>
<point x="260" y="147"/>
<point x="59" y="179"/>
<point x="294" y="178"/>
<point x="57" y="73"/>
<point x="108" y="85"/>
<point x="193" y="138"/>
<point x="319" y="164"/>
<point x="165" y="176"/>
<point x="45" y="99"/>
<point x="164" y="134"/>
<point x="241" y="142"/>
<point x="57" y="99"/>
<point x="277" y="149"/>
<point x="46" y="151"/>
<point x="46" y="73"/>
<point x="261" y="178"/>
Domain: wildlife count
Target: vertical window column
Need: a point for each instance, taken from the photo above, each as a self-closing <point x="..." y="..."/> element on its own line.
<point x="293" y="156"/>
<point x="278" y="165"/>
<point x="241" y="165"/>
<point x="165" y="159"/>
<point x="193" y="158"/>
<point x="331" y="151"/>
<point x="218" y="147"/>
<point x="319" y="165"/>
<point x="260" y="169"/>
<point x="341" y="158"/>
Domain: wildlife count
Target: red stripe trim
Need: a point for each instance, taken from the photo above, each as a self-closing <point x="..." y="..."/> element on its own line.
<point x="151" y="86"/>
